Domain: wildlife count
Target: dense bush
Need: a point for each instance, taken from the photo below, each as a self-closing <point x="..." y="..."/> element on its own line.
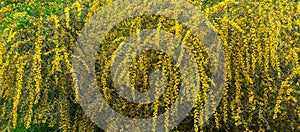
<point x="262" y="48"/>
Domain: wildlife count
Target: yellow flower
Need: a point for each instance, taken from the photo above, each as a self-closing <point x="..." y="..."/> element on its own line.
<point x="78" y="6"/>
<point x="67" y="15"/>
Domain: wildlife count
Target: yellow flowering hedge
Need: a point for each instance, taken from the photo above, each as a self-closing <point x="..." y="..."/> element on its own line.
<point x="260" y="39"/>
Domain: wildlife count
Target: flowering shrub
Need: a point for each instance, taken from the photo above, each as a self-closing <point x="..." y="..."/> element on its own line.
<point x="260" y="39"/>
